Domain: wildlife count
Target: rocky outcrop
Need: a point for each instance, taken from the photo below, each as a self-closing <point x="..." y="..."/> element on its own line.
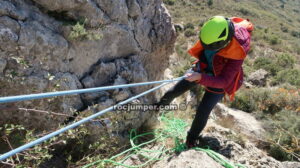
<point x="258" y="78"/>
<point x="229" y="143"/>
<point x="37" y="53"/>
<point x="190" y="159"/>
<point x="237" y="149"/>
<point x="291" y="164"/>
<point x="240" y="121"/>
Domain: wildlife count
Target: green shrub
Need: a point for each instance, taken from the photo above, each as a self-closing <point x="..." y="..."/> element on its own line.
<point x="244" y="11"/>
<point x="267" y="64"/>
<point x="248" y="67"/>
<point x="285" y="60"/>
<point x="247" y="70"/>
<point x="210" y="2"/>
<point x="274" y="65"/>
<point x="278" y="153"/>
<point x="73" y="145"/>
<point x="201" y="23"/>
<point x="266" y="100"/>
<point x="274" y="40"/>
<point x="295" y="34"/>
<point x="245" y="101"/>
<point x="189" y="26"/>
<point x="79" y="32"/>
<point x="284" y="29"/>
<point x="297" y="49"/>
<point x="169" y="2"/>
<point x="284" y="128"/>
<point x="289" y="76"/>
<point x="278" y="109"/>
<point x="266" y="30"/>
<point x="189" y="32"/>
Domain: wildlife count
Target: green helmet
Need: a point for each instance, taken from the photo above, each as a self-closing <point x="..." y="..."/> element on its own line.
<point x="216" y="33"/>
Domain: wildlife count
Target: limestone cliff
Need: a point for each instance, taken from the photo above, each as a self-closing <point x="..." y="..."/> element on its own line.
<point x="133" y="39"/>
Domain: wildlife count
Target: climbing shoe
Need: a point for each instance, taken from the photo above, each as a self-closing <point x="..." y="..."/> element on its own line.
<point x="191" y="141"/>
<point x="199" y="141"/>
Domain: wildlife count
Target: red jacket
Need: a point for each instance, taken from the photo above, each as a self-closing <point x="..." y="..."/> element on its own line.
<point x="227" y="63"/>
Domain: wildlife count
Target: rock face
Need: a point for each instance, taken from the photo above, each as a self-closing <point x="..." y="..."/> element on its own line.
<point x="241" y="122"/>
<point x="227" y="142"/>
<point x="237" y="150"/>
<point x="191" y="159"/>
<point x="291" y="164"/>
<point x="258" y="78"/>
<point x="120" y="41"/>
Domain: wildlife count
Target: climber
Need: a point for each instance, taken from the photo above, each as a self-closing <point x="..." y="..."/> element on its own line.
<point x="222" y="46"/>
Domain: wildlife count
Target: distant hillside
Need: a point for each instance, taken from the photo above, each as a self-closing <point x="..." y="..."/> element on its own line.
<point x="277" y="22"/>
<point x="274" y="58"/>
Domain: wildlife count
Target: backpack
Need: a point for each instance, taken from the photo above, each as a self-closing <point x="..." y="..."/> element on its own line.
<point x="243" y="23"/>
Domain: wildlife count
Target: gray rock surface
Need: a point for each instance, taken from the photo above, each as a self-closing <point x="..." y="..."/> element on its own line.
<point x="102" y="73"/>
<point x="222" y="140"/>
<point x="121" y="94"/>
<point x="189" y="159"/>
<point x="241" y="122"/>
<point x="65" y="105"/>
<point x="236" y="149"/>
<point x="291" y="164"/>
<point x="37" y="53"/>
<point x="3" y="63"/>
<point x="9" y="30"/>
<point x="258" y="78"/>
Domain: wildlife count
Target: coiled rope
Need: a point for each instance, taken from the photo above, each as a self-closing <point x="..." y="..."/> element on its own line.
<point x="173" y="129"/>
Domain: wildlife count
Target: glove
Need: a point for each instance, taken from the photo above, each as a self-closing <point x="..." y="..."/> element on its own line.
<point x="197" y="67"/>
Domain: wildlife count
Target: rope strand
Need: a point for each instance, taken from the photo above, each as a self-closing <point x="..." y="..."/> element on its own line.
<point x="87" y="119"/>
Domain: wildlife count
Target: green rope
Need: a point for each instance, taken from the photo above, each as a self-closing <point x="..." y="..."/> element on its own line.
<point x="173" y="129"/>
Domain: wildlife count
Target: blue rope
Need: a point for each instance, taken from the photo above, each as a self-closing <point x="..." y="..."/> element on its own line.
<point x="78" y="91"/>
<point x="44" y="138"/>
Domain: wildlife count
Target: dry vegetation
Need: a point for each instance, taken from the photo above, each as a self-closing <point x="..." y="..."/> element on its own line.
<point x="275" y="48"/>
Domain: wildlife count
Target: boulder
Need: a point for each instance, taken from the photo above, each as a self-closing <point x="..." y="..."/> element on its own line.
<point x="39" y="55"/>
<point x="103" y="73"/>
<point x="9" y="33"/>
<point x="258" y="78"/>
<point x="121" y="94"/>
<point x="291" y="164"/>
<point x="189" y="159"/>
<point x="237" y="148"/>
<point x="242" y="122"/>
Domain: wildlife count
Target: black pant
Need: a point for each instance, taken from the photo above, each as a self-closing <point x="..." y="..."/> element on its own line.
<point x="204" y="108"/>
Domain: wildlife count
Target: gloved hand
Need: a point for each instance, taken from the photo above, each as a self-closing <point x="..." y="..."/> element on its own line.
<point x="196" y="67"/>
